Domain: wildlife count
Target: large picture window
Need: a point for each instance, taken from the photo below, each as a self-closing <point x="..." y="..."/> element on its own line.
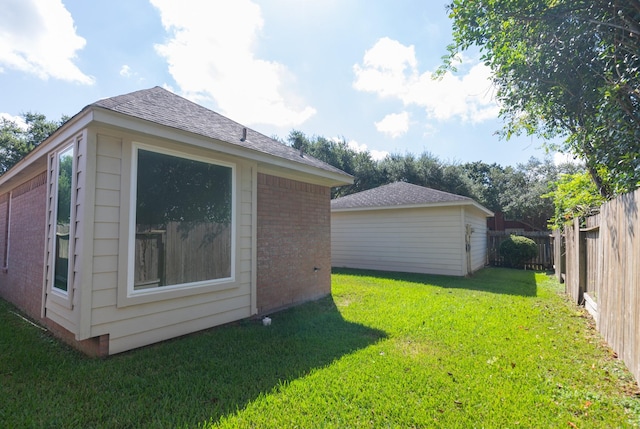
<point x="183" y="221"/>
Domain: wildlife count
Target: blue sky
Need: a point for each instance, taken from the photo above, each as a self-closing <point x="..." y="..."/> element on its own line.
<point x="350" y="69"/>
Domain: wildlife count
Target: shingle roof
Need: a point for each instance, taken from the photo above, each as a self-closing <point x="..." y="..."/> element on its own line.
<point x="165" y="108"/>
<point x="397" y="194"/>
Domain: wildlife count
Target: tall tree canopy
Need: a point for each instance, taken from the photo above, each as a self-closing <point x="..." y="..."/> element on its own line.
<point x="16" y="141"/>
<point x="514" y="190"/>
<point x="564" y="68"/>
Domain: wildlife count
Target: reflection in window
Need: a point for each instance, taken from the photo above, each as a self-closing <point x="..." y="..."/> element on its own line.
<point x="183" y="221"/>
<point x="63" y="220"/>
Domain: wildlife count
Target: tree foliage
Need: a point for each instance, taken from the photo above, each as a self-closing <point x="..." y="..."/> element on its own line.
<point x="574" y="196"/>
<point x="17" y="141"/>
<point x="515" y="190"/>
<point x="564" y="68"/>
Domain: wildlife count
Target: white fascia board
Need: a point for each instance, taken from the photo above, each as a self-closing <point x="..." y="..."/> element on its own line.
<point x="267" y="162"/>
<point x="417" y="206"/>
<point x="483" y="209"/>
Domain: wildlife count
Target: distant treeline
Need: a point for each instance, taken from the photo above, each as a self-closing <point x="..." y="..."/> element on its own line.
<point x="514" y="190"/>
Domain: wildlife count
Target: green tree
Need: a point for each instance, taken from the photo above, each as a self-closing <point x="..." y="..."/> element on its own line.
<point x="568" y="69"/>
<point x="574" y="196"/>
<point x="517" y="191"/>
<point x="338" y="154"/>
<point x="17" y="141"/>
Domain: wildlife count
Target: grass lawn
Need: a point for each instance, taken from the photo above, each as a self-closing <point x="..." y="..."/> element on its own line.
<point x="503" y="349"/>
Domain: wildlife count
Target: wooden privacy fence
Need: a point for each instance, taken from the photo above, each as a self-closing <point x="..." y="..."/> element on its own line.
<point x="601" y="269"/>
<point x="543" y="261"/>
<point x="176" y="255"/>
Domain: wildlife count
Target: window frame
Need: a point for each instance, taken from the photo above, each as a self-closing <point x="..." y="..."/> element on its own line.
<point x="171" y="291"/>
<point x="66" y="294"/>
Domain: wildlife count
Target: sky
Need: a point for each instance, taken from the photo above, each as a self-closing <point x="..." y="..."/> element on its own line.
<point x="354" y="70"/>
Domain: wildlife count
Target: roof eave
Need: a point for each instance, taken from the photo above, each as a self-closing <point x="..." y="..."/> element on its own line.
<point x="471" y="203"/>
<point x="58" y="137"/>
<point x="270" y="162"/>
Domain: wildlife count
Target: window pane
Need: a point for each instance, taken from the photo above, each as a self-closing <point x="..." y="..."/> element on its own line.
<point x="183" y="221"/>
<point x="63" y="218"/>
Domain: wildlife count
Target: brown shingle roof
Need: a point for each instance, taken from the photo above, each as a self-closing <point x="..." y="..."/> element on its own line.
<point x="165" y="108"/>
<point x="397" y="194"/>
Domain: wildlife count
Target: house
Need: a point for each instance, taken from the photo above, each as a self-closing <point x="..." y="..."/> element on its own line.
<point x="146" y="217"/>
<point x="409" y="228"/>
<point x="499" y="223"/>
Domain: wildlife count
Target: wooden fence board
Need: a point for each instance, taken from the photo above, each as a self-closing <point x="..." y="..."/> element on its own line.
<point x="609" y="274"/>
<point x="543" y="261"/>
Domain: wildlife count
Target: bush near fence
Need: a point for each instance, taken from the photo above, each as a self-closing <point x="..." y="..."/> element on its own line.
<point x="544" y="259"/>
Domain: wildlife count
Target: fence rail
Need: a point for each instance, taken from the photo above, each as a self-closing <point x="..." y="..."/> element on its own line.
<point x="601" y="269"/>
<point x="544" y="259"/>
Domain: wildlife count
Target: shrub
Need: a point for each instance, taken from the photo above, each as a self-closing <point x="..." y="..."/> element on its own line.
<point x="517" y="250"/>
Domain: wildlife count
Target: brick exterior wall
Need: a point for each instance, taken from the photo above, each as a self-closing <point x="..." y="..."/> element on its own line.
<point x="293" y="242"/>
<point x="21" y="280"/>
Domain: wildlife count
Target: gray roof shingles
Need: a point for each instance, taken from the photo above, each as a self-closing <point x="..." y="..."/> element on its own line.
<point x="162" y="107"/>
<point x="397" y="194"/>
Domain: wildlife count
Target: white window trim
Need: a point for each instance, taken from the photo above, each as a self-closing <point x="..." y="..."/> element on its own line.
<point x="166" y="291"/>
<point x="65" y="295"/>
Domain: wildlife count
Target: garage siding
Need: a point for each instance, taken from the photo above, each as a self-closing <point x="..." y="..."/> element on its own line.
<point x="478" y="224"/>
<point x="407" y="240"/>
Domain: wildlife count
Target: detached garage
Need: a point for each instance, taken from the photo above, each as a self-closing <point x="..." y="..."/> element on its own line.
<point x="409" y="228"/>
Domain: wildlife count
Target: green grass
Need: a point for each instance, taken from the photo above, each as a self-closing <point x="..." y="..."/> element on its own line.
<point x="503" y="349"/>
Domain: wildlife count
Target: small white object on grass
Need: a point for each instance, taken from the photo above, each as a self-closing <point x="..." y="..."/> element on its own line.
<point x="266" y="321"/>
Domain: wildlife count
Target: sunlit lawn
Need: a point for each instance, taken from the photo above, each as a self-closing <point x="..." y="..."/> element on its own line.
<point x="502" y="349"/>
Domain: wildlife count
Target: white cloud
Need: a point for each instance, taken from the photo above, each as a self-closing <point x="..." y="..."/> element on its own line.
<point x="125" y="71"/>
<point x="128" y="73"/>
<point x="394" y="125"/>
<point x="377" y="155"/>
<point x="390" y="69"/>
<point x="361" y="147"/>
<point x="39" y="37"/>
<point x="18" y="120"/>
<point x="211" y="56"/>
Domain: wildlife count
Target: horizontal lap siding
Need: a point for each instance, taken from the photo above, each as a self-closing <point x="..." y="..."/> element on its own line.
<point x="142" y="324"/>
<point x="410" y="240"/>
<point x="478" y="239"/>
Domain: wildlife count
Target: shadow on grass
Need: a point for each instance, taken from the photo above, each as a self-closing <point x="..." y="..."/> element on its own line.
<point x="493" y="280"/>
<point x="183" y="382"/>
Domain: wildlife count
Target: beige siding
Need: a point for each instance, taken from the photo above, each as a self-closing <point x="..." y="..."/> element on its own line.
<point x="131" y="324"/>
<point x="410" y="240"/>
<point x="63" y="309"/>
<point x="478" y="222"/>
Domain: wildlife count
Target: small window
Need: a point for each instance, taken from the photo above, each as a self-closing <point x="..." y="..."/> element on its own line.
<point x="183" y="222"/>
<point x="63" y="219"/>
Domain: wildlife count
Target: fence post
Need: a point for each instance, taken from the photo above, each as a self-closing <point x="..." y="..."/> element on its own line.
<point x="558" y="260"/>
<point x="581" y="244"/>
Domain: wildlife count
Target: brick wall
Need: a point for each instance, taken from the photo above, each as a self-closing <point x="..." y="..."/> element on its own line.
<point x="21" y="280"/>
<point x="294" y="242"/>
